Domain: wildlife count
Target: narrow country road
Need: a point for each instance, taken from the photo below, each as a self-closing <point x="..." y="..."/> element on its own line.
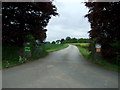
<point x="61" y="69"/>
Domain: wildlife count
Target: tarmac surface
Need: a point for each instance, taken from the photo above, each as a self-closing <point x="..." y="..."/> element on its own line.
<point x="60" y="69"/>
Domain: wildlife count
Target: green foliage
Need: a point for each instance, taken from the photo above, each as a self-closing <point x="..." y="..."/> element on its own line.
<point x="24" y="22"/>
<point x="22" y="59"/>
<point x="87" y="54"/>
<point x="62" y="41"/>
<point x="29" y="38"/>
<point x="115" y="44"/>
<point x="108" y="65"/>
<point x="57" y="41"/>
<point x="47" y="42"/>
<point x="11" y="55"/>
<point x="68" y="38"/>
<point x="23" y="18"/>
<point x="73" y="40"/>
<point x="104" y="20"/>
<point x="83" y="40"/>
<point x="53" y="42"/>
<point x="92" y="47"/>
<point x="54" y="47"/>
<point x="38" y="52"/>
<point x="116" y="47"/>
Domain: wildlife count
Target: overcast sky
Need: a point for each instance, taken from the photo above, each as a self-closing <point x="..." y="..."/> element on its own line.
<point x="70" y="22"/>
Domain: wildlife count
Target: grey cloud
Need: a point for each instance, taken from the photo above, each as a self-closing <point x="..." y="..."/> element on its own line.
<point x="71" y="21"/>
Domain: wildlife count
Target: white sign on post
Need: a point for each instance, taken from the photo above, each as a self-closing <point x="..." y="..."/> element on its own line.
<point x="98" y="47"/>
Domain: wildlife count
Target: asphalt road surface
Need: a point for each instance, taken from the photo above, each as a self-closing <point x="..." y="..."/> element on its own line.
<point x="61" y="69"/>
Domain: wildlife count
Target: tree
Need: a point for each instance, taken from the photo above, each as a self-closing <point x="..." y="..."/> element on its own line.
<point x="62" y="41"/>
<point x="58" y="41"/>
<point x="53" y="42"/>
<point x="47" y="42"/>
<point x="74" y="40"/>
<point x="83" y="40"/>
<point x="104" y="19"/>
<point x="23" y="18"/>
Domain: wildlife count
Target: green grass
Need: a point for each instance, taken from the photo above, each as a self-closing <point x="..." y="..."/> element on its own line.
<point x="108" y="65"/>
<point x="55" y="47"/>
<point x="86" y="53"/>
<point x="11" y="54"/>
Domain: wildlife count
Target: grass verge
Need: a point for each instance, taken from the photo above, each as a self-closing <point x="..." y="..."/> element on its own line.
<point x="11" y="55"/>
<point x="103" y="63"/>
<point x="55" y="47"/>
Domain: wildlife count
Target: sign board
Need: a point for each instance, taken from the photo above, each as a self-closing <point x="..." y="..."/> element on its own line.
<point x="27" y="43"/>
<point x="98" y="47"/>
<point x="98" y="50"/>
<point x="27" y="49"/>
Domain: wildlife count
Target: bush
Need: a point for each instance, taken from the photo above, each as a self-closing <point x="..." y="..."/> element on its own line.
<point x="10" y="55"/>
<point x="29" y="38"/>
<point x="38" y="52"/>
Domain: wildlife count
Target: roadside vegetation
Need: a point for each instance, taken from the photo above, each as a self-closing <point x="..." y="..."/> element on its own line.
<point x="104" y="30"/>
<point x="54" y="47"/>
<point x="22" y="33"/>
<point x="83" y="47"/>
<point x="11" y="54"/>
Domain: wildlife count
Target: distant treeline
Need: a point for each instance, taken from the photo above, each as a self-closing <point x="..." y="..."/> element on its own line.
<point x="70" y="40"/>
